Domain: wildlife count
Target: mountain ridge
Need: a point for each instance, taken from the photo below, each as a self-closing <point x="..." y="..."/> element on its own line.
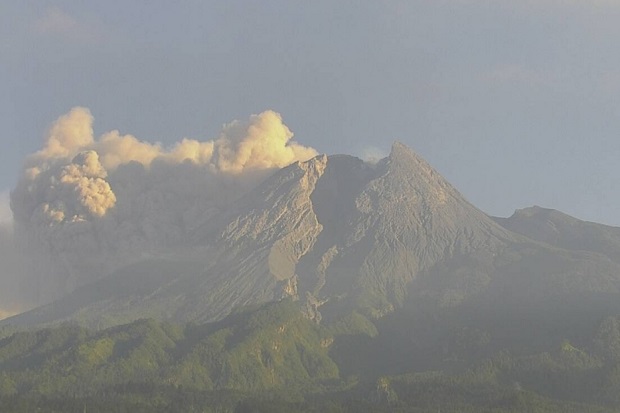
<point x="337" y="235"/>
<point x="561" y="230"/>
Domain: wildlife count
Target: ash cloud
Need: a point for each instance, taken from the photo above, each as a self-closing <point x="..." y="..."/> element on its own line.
<point x="84" y="205"/>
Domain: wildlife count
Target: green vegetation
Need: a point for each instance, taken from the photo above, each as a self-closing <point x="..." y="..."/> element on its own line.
<point x="270" y="358"/>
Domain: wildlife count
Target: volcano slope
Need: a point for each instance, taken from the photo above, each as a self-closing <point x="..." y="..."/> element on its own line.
<point x="337" y="234"/>
<point x="344" y="285"/>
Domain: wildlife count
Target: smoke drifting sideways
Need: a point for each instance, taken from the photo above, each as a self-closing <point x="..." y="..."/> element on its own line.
<point x="84" y="206"/>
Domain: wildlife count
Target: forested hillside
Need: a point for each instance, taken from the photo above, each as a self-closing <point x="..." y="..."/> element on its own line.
<point x="271" y="358"/>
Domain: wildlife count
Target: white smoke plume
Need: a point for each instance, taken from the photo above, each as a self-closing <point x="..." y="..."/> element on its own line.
<point x="85" y="205"/>
<point x="372" y="154"/>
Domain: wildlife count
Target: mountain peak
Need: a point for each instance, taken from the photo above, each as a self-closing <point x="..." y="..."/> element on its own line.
<point x="404" y="158"/>
<point x="540" y="214"/>
<point x="332" y="232"/>
<point x="400" y="151"/>
<point x="532" y="211"/>
<point x="398" y="146"/>
<point x="319" y="161"/>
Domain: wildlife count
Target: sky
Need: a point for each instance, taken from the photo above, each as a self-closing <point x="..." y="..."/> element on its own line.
<point x="515" y="102"/>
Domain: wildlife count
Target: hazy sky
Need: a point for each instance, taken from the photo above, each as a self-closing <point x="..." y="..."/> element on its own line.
<point x="515" y="102"/>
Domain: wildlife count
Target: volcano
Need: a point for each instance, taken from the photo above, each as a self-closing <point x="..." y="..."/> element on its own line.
<point x="337" y="234"/>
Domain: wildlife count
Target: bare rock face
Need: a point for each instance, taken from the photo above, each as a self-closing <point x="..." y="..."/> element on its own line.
<point x="345" y="234"/>
<point x="384" y="224"/>
<point x="338" y="234"/>
<point x="253" y="255"/>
